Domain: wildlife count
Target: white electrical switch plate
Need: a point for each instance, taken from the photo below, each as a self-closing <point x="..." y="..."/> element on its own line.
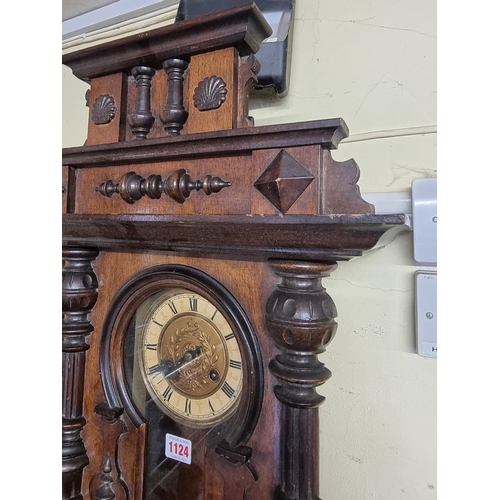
<point x="426" y="313"/>
<point x="424" y="208"/>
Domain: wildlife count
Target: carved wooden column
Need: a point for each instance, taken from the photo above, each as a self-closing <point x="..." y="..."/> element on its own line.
<point x="141" y="120"/>
<point x="174" y="115"/>
<point x="300" y="317"/>
<point x="79" y="295"/>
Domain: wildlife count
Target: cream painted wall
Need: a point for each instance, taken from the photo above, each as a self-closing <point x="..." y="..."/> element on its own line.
<point x="373" y="63"/>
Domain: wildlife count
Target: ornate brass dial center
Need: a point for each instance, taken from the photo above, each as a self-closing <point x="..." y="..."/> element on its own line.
<point x="190" y="358"/>
<point x="192" y="349"/>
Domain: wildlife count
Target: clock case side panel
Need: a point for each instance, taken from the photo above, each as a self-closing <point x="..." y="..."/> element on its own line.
<point x="107" y="429"/>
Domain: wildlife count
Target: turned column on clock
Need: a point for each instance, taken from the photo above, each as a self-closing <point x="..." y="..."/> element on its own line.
<point x="79" y="295"/>
<point x="300" y="318"/>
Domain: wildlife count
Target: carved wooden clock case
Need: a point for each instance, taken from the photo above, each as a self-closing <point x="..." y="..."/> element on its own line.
<point x="194" y="245"/>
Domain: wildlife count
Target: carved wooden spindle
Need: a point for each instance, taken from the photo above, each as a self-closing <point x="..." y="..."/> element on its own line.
<point x="141" y="120"/>
<point x="300" y="318"/>
<point x="79" y="295"/>
<point x="177" y="186"/>
<point x="174" y="115"/>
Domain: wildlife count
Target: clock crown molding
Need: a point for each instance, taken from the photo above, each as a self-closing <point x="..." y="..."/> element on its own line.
<point x="244" y="28"/>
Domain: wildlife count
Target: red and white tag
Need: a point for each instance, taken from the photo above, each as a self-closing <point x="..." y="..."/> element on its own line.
<point x="178" y="448"/>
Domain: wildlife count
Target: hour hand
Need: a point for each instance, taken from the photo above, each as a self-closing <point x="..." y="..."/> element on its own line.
<point x="171" y="368"/>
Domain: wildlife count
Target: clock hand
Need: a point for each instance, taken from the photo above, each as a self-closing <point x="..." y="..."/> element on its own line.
<point x="171" y="368"/>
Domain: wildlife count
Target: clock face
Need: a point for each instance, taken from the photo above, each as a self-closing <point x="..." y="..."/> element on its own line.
<point x="189" y="358"/>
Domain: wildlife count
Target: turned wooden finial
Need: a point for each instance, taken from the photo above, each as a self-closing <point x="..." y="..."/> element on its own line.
<point x="105" y="488"/>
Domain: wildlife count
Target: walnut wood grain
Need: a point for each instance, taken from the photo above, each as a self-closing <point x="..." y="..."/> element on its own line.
<point x="88" y="201"/>
<point x="220" y="64"/>
<point x="109" y="433"/>
<point x="241" y="27"/>
<point x="114" y="130"/>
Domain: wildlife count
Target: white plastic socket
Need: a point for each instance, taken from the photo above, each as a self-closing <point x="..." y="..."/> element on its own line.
<point x="426" y="313"/>
<point x="424" y="209"/>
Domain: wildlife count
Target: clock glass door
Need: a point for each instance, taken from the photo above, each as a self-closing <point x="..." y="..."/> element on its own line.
<point x="191" y="371"/>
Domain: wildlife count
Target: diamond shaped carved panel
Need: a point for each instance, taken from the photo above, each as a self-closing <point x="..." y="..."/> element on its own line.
<point x="283" y="181"/>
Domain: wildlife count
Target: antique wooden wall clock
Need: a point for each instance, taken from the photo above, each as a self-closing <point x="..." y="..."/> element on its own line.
<point x="194" y="245"/>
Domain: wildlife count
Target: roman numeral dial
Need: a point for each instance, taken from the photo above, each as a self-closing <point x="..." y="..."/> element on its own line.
<point x="190" y="358"/>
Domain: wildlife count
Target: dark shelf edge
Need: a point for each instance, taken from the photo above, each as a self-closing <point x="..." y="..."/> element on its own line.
<point x="337" y="237"/>
<point x="325" y="133"/>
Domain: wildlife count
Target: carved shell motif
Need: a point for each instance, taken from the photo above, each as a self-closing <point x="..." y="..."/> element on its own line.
<point x="103" y="109"/>
<point x="210" y="93"/>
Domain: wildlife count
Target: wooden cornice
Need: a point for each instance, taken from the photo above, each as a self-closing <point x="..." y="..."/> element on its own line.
<point x="326" y="133"/>
<point x="337" y="237"/>
<point x="242" y="27"/>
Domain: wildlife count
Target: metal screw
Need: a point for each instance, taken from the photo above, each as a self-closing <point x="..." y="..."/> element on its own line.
<point x="429" y="315"/>
<point x="435" y="219"/>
